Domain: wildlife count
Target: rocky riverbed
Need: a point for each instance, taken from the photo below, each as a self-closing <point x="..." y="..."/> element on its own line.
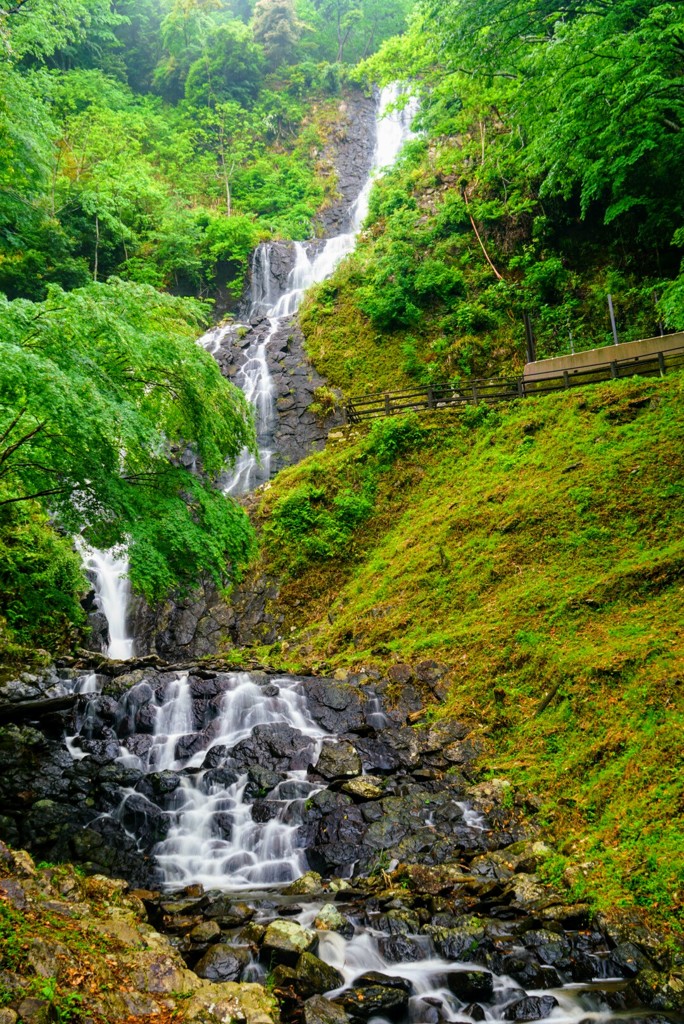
<point x="401" y="879"/>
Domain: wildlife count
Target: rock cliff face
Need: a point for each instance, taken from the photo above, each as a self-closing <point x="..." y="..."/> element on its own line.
<point x="350" y="149"/>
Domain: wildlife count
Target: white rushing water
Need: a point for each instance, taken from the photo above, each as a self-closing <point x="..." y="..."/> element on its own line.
<point x="313" y="263"/>
<point x="112" y="594"/>
<point x="213" y="837"/>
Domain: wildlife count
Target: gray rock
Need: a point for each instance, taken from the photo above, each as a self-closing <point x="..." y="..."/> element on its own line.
<point x="222" y="963"/>
<point x="318" y="1010"/>
<point x="338" y="761"/>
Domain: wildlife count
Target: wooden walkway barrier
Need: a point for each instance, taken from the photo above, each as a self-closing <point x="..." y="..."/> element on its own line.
<point x="493" y="390"/>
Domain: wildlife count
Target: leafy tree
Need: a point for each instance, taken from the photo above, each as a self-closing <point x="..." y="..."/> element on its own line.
<point x="38" y="29"/>
<point x="105" y="401"/>
<point x="230" y="69"/>
<point x="278" y="30"/>
<point x="184" y="32"/>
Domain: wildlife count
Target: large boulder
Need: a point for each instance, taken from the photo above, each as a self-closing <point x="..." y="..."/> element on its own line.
<point x="313" y="976"/>
<point x="285" y="941"/>
<point x="338" y="761"/>
<point x="472" y="986"/>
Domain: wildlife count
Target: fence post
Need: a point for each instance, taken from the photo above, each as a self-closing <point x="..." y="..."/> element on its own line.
<point x="566" y="379"/>
<point x="521" y="387"/>
<point x="431" y="398"/>
<point x="388" y="407"/>
<point x="661" y="364"/>
<point x="612" y="320"/>
<point x="475" y="395"/>
<point x="614" y="369"/>
<point x="529" y="336"/>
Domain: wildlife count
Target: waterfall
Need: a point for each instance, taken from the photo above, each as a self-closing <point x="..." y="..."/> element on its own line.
<point x="109" y="570"/>
<point x="313" y="263"/>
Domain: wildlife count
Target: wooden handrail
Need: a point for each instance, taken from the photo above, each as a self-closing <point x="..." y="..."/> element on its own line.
<point x="504" y="389"/>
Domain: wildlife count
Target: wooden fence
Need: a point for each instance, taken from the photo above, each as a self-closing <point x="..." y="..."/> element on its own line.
<point x="493" y="390"/>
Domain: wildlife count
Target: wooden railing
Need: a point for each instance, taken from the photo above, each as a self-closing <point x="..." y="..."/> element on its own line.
<point x="493" y="390"/>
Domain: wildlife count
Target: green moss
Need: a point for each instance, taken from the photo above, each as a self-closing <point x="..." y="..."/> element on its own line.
<point x="538" y="551"/>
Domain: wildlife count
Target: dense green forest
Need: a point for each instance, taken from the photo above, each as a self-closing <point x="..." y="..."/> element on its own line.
<point x="545" y="178"/>
<point x="146" y="147"/>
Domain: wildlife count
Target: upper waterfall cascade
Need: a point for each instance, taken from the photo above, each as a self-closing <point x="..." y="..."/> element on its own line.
<point x="314" y="261"/>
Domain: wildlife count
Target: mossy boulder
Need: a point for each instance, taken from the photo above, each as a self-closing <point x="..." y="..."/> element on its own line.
<point x="285" y="941"/>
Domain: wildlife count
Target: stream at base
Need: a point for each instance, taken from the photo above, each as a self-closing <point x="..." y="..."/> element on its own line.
<point x="300" y="831"/>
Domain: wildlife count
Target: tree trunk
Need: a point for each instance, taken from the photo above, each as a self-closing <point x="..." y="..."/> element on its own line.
<point x="97" y="246"/>
<point x="36" y="709"/>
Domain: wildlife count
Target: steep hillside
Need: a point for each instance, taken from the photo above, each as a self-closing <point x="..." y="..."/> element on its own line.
<point x="536" y="551"/>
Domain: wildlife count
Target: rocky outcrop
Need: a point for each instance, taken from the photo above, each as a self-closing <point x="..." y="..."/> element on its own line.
<point x="350" y="148"/>
<point x="84" y="947"/>
<point x="297" y="430"/>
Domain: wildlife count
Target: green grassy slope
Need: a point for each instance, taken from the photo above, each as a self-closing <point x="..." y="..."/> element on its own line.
<point x="537" y="550"/>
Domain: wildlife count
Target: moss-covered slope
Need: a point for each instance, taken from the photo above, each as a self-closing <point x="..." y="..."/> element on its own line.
<point x="538" y="551"/>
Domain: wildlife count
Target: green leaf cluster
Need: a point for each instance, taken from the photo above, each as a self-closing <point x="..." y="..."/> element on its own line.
<point x="106" y="402"/>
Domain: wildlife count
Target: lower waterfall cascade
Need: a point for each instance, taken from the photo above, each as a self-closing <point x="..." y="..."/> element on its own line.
<point x="300" y="831"/>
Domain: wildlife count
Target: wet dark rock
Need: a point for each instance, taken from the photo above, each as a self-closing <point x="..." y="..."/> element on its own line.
<point x="530" y="1008"/>
<point x="319" y="1010"/>
<point x="223" y="777"/>
<point x="456" y="943"/>
<point x="386" y="980"/>
<point x="222" y="963"/>
<point x="261" y="781"/>
<point x="475" y="1011"/>
<point x="228" y="913"/>
<point x="336" y="707"/>
<point x="373" y="1000"/>
<point x="399" y="922"/>
<point x="627" y="960"/>
<point x="277" y="747"/>
<point x="265" y="810"/>
<point x="158" y="784"/>
<point x="338" y="761"/>
<point x="401" y="949"/>
<point x="392" y="750"/>
<point x="313" y="976"/>
<point x="472" y="986"/>
<point x="528" y="973"/>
